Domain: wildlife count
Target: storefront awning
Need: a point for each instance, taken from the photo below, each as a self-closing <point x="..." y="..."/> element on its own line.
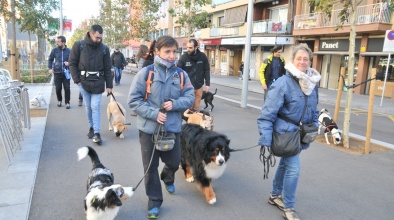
<point x="235" y="16"/>
<point x="340" y="53"/>
<point x="372" y="54"/>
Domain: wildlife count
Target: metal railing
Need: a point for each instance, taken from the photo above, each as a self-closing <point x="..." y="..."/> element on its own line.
<point x="14" y="111"/>
<point x="224" y="31"/>
<point x="373" y="13"/>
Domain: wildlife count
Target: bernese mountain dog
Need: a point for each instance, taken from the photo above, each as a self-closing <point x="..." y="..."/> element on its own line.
<point x="104" y="197"/>
<point x="204" y="157"/>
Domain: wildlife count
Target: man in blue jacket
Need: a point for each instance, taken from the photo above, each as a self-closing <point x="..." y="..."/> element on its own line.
<point x="58" y="64"/>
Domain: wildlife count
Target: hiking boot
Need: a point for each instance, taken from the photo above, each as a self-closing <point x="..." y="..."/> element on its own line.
<point x="80" y="103"/>
<point x="153" y="213"/>
<point x="59" y="104"/>
<point x="170" y="188"/>
<point x="68" y="106"/>
<point x="276" y="201"/>
<point x="290" y="214"/>
<point x="91" y="133"/>
<point x="97" y="138"/>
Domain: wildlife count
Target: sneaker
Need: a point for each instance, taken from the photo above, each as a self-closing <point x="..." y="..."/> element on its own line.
<point x="91" y="133"/>
<point x="80" y="103"/>
<point x="133" y="114"/>
<point x="290" y="214"/>
<point x="153" y="213"/>
<point x="59" y="104"/>
<point x="170" y="188"/>
<point x="97" y="138"/>
<point x="68" y="106"/>
<point x="276" y="201"/>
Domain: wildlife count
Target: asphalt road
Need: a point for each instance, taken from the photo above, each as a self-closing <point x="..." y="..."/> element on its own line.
<point x="332" y="185"/>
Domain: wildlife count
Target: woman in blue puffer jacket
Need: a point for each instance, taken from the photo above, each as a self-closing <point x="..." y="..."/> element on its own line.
<point x="165" y="93"/>
<point x="287" y="97"/>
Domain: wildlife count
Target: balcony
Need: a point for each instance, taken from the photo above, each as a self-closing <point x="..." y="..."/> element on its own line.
<point x="374" y="18"/>
<point x="271" y="27"/>
<point x="224" y="31"/>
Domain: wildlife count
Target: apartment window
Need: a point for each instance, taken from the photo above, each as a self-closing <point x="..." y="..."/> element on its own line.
<point x="220" y="21"/>
<point x="278" y="14"/>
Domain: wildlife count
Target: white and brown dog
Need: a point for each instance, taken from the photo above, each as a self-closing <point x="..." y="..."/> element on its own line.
<point x="329" y="125"/>
<point x="38" y="100"/>
<point x="116" y="118"/>
<point x="201" y="118"/>
<point x="104" y="198"/>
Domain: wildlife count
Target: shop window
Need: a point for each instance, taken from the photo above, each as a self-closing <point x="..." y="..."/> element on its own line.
<point x="380" y="63"/>
<point x="344" y="63"/>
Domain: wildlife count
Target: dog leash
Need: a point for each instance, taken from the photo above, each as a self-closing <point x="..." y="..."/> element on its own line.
<point x="267" y="160"/>
<point x="115" y="102"/>
<point x="242" y="149"/>
<point x="46" y="81"/>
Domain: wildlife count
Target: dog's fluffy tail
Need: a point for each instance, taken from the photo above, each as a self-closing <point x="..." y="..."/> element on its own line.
<point x="84" y="151"/>
<point x="216" y="90"/>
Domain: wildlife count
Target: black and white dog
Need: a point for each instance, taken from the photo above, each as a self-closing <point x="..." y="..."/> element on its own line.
<point x="329" y="125"/>
<point x="104" y="197"/>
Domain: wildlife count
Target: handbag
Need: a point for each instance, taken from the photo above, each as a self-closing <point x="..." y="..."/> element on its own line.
<point x="308" y="133"/>
<point x="289" y="143"/>
<point x="162" y="139"/>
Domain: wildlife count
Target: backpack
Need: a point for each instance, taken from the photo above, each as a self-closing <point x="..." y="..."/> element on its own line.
<point x="149" y="79"/>
<point x="82" y="44"/>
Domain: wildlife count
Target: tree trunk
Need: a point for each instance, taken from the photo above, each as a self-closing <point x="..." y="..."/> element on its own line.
<point x="30" y="58"/>
<point x="13" y="58"/>
<point x="352" y="39"/>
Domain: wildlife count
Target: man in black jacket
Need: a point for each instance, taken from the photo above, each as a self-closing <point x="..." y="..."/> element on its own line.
<point x="196" y="65"/>
<point x="90" y="67"/>
<point x="57" y="65"/>
<point x="118" y="62"/>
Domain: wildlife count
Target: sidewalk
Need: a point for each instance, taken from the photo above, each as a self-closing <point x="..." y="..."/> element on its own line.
<point x="17" y="180"/>
<point x="325" y="95"/>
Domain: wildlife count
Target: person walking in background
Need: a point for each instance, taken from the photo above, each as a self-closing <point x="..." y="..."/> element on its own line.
<point x="58" y="64"/>
<point x="151" y="54"/>
<point x="287" y="97"/>
<point x="241" y="69"/>
<point x="90" y="66"/>
<point x="164" y="105"/>
<point x="118" y="62"/>
<point x="272" y="68"/>
<point x="196" y="65"/>
<point x="142" y="54"/>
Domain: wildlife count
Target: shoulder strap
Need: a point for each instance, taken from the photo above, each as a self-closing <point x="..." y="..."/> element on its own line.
<point x="81" y="44"/>
<point x="182" y="77"/>
<point x="149" y="80"/>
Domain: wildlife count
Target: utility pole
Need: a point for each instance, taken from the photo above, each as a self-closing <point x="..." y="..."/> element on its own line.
<point x="244" y="97"/>
<point x="61" y="18"/>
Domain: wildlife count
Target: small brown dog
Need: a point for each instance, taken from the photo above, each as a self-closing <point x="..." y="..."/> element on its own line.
<point x="199" y="118"/>
<point x="116" y="118"/>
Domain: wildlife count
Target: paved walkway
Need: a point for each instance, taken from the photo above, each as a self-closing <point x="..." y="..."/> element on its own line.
<point x="17" y="180"/>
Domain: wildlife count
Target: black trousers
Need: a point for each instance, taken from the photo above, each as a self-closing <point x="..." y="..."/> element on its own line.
<point x="171" y="159"/>
<point x="60" y="80"/>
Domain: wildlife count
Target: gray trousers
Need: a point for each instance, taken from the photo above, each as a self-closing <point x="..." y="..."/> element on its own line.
<point x="171" y="159"/>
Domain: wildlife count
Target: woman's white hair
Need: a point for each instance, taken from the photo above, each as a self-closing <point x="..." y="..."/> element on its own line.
<point x="303" y="47"/>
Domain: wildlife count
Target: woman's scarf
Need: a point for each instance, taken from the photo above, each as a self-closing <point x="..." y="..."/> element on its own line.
<point x="306" y="80"/>
<point x="164" y="62"/>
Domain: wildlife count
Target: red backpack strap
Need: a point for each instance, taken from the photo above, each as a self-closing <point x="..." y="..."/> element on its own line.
<point x="148" y="84"/>
<point x="182" y="79"/>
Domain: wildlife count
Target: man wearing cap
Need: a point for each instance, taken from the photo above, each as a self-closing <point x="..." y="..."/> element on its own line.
<point x="118" y="62"/>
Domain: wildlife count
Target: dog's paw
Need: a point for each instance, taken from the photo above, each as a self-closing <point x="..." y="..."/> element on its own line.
<point x="121" y="136"/>
<point x="212" y="201"/>
<point x="110" y="129"/>
<point x="190" y="179"/>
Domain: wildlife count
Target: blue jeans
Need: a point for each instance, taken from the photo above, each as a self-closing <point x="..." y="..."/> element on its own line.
<point x="118" y="74"/>
<point x="92" y="106"/>
<point x="286" y="179"/>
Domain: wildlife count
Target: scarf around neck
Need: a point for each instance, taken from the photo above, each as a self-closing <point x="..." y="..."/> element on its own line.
<point x="164" y="62"/>
<point x="307" y="81"/>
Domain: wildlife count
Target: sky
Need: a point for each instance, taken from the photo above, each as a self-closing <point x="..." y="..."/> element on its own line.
<point x="79" y="10"/>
